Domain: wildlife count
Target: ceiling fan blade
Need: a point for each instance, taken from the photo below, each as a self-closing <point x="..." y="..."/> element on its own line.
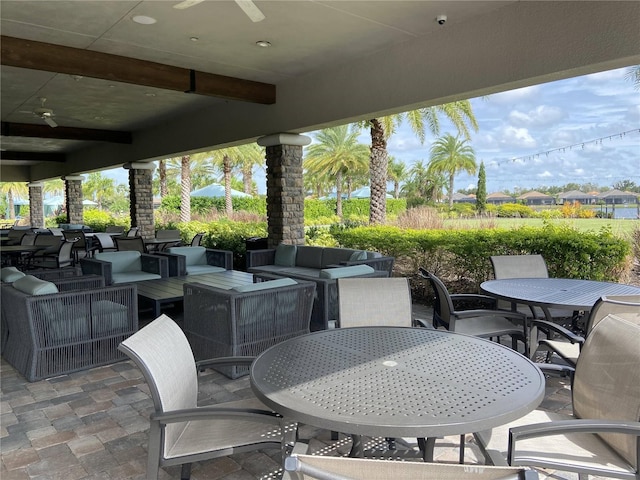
<point x="49" y="121"/>
<point x="251" y="10"/>
<point x="187" y="4"/>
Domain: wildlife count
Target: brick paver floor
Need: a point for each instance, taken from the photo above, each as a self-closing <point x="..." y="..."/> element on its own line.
<point x="93" y="425"/>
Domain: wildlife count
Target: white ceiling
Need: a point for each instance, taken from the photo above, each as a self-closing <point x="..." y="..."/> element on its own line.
<point x="331" y="62"/>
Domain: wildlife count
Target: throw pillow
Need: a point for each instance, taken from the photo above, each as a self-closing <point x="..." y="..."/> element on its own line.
<point x="285" y="255"/>
<point x="34" y="286"/>
<point x="341" y="272"/>
<point x="10" y="274"/>
<point x="358" y="255"/>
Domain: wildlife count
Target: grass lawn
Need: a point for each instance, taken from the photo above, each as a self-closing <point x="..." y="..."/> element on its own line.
<point x="621" y="227"/>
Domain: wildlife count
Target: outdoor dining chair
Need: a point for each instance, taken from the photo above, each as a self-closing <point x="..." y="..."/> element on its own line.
<point x="130" y="243"/>
<point x="105" y="242"/>
<point x="484" y="322"/>
<point x="601" y="437"/>
<point x="182" y="432"/>
<point x="82" y="247"/>
<point x="114" y="229"/>
<point x="61" y="258"/>
<point x="567" y="345"/>
<point x="197" y="239"/>
<point x="133" y="232"/>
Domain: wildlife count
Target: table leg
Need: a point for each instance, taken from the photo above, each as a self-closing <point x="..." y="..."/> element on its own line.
<point x="357" y="448"/>
<point x="426" y="446"/>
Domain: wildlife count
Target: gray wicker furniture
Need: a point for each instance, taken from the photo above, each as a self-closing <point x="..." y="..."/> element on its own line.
<point x="125" y="267"/>
<point x="325" y="304"/>
<point x="292" y="260"/>
<point x="601" y="437"/>
<point x="180" y="431"/>
<point x="56" y="333"/>
<point x="197" y="260"/>
<point x="245" y="320"/>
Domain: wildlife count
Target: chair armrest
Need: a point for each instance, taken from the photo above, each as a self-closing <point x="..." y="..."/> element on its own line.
<point x="549" y="327"/>
<point x="215" y="411"/>
<point x="220" y="258"/>
<point x="155" y="264"/>
<point x="493" y="313"/>
<point x="79" y="283"/>
<point x="419" y="322"/>
<point x="379" y="263"/>
<point x="257" y="258"/>
<point x="177" y="263"/>
<point x="92" y="266"/>
<point x="491" y="302"/>
<point x="567" y="426"/>
<point x="224" y="362"/>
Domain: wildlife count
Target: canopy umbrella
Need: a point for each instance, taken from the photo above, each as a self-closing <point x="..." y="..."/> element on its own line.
<point x="216" y="190"/>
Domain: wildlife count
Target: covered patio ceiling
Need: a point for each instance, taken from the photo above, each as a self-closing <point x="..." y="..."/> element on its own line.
<point x="117" y="87"/>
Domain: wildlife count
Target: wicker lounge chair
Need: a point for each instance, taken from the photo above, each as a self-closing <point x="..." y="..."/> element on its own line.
<point x="245" y="320"/>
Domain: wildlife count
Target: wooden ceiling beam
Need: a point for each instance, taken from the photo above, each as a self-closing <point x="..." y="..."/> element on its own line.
<point x="32" y="156"/>
<point x="17" y="52"/>
<point x="65" y="133"/>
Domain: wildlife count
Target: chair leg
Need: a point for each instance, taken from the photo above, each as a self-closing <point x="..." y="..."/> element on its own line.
<point x="185" y="472"/>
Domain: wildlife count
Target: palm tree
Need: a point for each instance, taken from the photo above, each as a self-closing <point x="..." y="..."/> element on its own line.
<point x="450" y="155"/>
<point x="337" y="153"/>
<point x="424" y="184"/>
<point x="633" y="74"/>
<point x="397" y="172"/>
<point x="251" y="154"/>
<point x="13" y="190"/>
<point x="162" y="173"/>
<point x="460" y="113"/>
<point x="185" y="188"/>
<point x="97" y="187"/>
<point x="226" y="161"/>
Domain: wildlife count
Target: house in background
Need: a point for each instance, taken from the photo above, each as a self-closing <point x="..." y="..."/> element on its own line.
<point x="537" y="198"/>
<point x="499" y="198"/>
<point x="618" y="197"/>
<point x="462" y="198"/>
<point x="577" y="196"/>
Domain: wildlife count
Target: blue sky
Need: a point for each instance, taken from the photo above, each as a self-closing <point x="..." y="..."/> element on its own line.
<point x="549" y="134"/>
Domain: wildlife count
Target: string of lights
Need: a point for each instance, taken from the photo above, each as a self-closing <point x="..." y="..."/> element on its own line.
<point x="580" y="145"/>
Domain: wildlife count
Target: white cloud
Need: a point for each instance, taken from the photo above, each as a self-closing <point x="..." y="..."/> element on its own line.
<point x="517" y="137"/>
<point x="542" y="115"/>
<point x="514" y="96"/>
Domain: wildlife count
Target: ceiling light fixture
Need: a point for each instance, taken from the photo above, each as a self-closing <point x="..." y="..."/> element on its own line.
<point x="194" y="39"/>
<point x="144" y="20"/>
<point x="263" y="43"/>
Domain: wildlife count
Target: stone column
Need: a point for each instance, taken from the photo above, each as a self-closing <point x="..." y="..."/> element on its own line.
<point x="36" y="206"/>
<point x="141" y="196"/>
<point x="285" y="192"/>
<point x="73" y="194"/>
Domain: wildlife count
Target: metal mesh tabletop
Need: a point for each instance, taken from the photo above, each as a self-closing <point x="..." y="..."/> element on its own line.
<point x="386" y="381"/>
<point x="555" y="292"/>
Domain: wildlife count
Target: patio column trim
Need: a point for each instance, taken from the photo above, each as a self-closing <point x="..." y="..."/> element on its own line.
<point x="141" y="197"/>
<point x="36" y="205"/>
<point x="73" y="197"/>
<point x="285" y="192"/>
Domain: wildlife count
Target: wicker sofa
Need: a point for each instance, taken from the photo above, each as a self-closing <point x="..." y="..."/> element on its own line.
<point x="294" y="260"/>
<point x="52" y="332"/>
<point x="126" y="266"/>
<point x="245" y="320"/>
<point x="197" y="260"/>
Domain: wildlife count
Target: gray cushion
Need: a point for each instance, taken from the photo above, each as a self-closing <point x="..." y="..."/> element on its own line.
<point x="358" y="255"/>
<point x="108" y="317"/>
<point x="201" y="269"/>
<point x="252" y="287"/>
<point x="193" y="255"/>
<point x="285" y="255"/>
<point x="34" y="286"/>
<point x="10" y="274"/>
<point x="341" y="272"/>
<point x="126" y="261"/>
<point x="310" y="257"/>
<point x="128" y="277"/>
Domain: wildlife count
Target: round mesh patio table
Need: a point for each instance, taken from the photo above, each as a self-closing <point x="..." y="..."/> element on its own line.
<point x="396" y="382"/>
<point x="568" y="293"/>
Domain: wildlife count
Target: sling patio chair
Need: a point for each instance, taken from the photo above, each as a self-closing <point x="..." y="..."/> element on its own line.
<point x="483" y="322"/>
<point x="601" y="437"/>
<point x="182" y="432"/>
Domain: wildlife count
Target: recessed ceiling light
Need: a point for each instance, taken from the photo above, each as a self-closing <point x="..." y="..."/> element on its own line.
<point x="194" y="39"/>
<point x="144" y="20"/>
<point x="263" y="43"/>
<point x="149" y="94"/>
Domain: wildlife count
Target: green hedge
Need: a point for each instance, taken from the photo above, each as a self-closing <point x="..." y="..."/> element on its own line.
<point x="464" y="254"/>
<point x="203" y="205"/>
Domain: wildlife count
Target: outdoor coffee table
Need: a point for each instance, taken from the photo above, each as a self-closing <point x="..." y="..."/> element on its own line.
<point x="170" y="290"/>
<point x="565" y="293"/>
<point x="396" y="382"/>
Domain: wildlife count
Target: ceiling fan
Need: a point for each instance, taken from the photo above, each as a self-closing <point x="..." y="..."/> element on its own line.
<point x="45" y="114"/>
<point x="247" y="6"/>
